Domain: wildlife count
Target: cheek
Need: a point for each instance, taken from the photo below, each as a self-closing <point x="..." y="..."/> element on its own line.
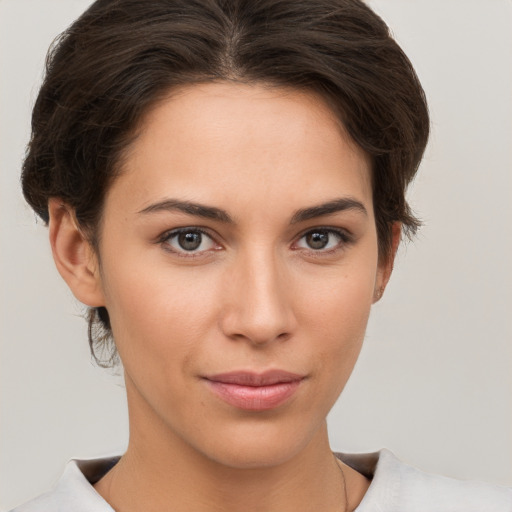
<point x="156" y="314"/>
<point x="340" y="328"/>
<point x="336" y="314"/>
<point x="340" y="300"/>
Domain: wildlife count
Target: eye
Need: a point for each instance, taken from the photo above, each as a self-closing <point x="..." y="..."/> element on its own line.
<point x="188" y="240"/>
<point x="322" y="239"/>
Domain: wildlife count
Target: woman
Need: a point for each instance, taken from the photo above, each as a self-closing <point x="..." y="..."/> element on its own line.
<point x="224" y="185"/>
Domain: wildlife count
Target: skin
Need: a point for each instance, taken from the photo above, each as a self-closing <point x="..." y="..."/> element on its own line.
<point x="254" y="296"/>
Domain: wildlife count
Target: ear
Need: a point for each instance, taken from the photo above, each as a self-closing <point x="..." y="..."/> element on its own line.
<point x="74" y="257"/>
<point x="386" y="265"/>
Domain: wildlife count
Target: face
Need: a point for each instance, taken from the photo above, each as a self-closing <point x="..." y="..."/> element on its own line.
<point x="238" y="263"/>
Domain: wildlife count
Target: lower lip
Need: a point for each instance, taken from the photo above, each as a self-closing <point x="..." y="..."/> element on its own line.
<point x="254" y="398"/>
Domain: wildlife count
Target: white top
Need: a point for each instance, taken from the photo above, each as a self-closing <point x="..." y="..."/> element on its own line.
<point x="395" y="487"/>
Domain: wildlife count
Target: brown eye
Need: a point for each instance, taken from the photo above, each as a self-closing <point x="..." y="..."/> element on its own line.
<point x="317" y="239"/>
<point x="323" y="239"/>
<point x="190" y="241"/>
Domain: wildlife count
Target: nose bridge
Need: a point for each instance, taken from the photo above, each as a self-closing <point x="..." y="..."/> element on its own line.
<point x="259" y="307"/>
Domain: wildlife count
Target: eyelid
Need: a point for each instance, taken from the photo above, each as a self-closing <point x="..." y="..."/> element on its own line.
<point x="176" y="231"/>
<point x="343" y="232"/>
<point x="170" y="233"/>
<point x="347" y="238"/>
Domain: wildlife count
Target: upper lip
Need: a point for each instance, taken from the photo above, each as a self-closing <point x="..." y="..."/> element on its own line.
<point x="248" y="378"/>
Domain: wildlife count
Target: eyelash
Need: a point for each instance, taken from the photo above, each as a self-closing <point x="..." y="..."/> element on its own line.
<point x="344" y="239"/>
<point x="168" y="236"/>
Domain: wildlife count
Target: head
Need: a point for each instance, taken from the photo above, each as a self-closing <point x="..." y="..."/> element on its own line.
<point x="110" y="74"/>
<point x="225" y="186"/>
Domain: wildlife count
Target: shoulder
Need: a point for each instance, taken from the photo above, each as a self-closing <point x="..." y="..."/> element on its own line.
<point x="398" y="487"/>
<point x="74" y="490"/>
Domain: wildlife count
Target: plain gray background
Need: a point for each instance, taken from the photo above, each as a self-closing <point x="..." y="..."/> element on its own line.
<point x="434" y="380"/>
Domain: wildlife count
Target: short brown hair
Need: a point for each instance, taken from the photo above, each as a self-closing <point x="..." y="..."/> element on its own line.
<point x="121" y="56"/>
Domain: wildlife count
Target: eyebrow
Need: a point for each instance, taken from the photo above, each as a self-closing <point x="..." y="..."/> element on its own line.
<point x="190" y="208"/>
<point x="213" y="213"/>
<point x="334" y="206"/>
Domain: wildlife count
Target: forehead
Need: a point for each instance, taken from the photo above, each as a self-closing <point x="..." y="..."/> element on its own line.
<point x="211" y="141"/>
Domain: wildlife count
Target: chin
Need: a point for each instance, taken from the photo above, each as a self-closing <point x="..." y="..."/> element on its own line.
<point x="262" y="445"/>
<point x="255" y="456"/>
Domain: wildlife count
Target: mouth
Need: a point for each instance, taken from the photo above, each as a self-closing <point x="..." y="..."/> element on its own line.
<point x="255" y="391"/>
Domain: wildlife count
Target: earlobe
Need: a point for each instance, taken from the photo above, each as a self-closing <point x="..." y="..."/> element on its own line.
<point x="74" y="257"/>
<point x="386" y="267"/>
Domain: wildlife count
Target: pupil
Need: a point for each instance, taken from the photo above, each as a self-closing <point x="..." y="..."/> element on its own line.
<point x="318" y="239"/>
<point x="189" y="241"/>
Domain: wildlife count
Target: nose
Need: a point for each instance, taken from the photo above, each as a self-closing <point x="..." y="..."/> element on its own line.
<point x="258" y="306"/>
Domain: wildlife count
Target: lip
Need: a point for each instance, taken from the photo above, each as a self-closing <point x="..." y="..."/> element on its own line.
<point x="255" y="391"/>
